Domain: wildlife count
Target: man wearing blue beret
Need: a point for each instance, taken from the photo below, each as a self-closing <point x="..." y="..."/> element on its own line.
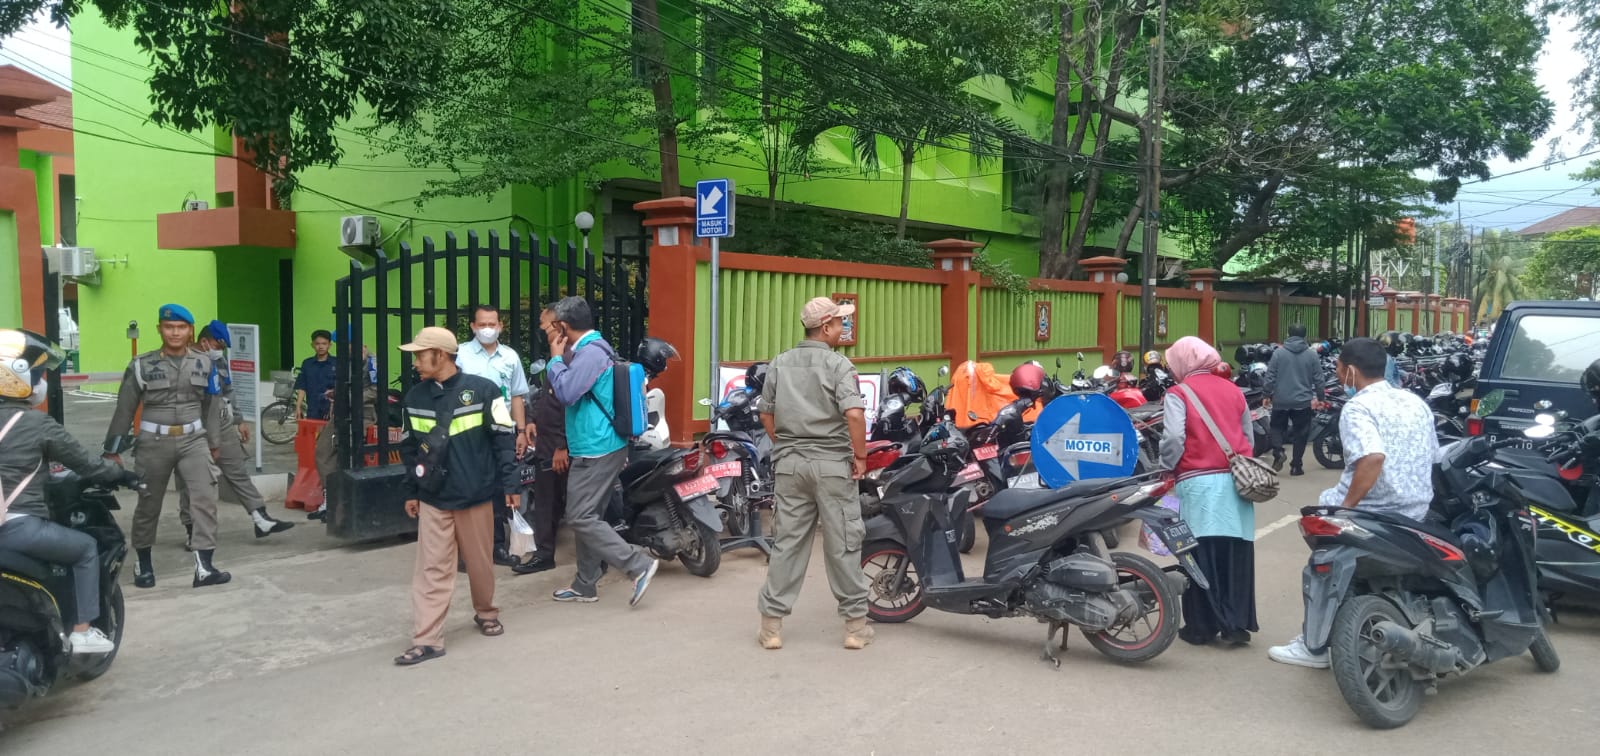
<point x="180" y="430"/>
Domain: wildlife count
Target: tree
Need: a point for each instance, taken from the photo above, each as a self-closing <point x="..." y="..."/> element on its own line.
<point x="1297" y="92"/>
<point x="280" y="73"/>
<point x="1565" y="260"/>
<point x="1497" y="267"/>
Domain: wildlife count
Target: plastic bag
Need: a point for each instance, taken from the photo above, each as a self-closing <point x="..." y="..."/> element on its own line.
<point x="519" y="535"/>
<point x="1148" y="538"/>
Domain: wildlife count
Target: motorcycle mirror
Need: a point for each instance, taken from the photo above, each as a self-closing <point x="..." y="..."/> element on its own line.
<point x="1058" y="361"/>
<point x="944" y="370"/>
<point x="1540" y="431"/>
<point x="705" y="402"/>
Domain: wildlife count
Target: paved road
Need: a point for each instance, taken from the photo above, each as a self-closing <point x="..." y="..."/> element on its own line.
<point x="294" y="656"/>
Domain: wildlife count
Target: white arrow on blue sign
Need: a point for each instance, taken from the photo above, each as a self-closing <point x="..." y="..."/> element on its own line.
<point x="713" y="208"/>
<point x="1081" y="436"/>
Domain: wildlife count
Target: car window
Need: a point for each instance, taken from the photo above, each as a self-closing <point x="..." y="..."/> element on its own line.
<point x="1551" y="347"/>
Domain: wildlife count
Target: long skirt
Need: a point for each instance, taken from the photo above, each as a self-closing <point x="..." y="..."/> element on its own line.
<point x="1230" y="605"/>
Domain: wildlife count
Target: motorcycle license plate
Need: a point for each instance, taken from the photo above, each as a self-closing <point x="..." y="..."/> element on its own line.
<point x="1178" y="537"/>
<point x="697" y="487"/>
<point x="984" y="453"/>
<point x="730" y="469"/>
<point x="968" y="474"/>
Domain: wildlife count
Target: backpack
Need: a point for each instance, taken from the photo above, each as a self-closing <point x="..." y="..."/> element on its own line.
<point x="627" y="410"/>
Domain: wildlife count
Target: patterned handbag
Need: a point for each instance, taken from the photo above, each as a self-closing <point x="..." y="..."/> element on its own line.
<point x="1254" y="479"/>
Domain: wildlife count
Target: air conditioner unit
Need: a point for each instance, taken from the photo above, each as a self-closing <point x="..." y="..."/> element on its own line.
<point x="77" y="262"/>
<point x="194" y="204"/>
<point x="358" y="233"/>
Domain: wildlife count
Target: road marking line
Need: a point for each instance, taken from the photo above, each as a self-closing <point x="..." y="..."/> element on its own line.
<point x="1285" y="520"/>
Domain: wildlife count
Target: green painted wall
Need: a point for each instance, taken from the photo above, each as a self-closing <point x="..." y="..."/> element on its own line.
<point x="1308" y="315"/>
<point x="1183" y="319"/>
<point x="1007" y="323"/>
<point x="1257" y="316"/>
<point x="11" y="310"/>
<point x="42" y="167"/>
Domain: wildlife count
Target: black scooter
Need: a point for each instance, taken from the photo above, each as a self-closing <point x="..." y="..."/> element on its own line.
<point x="1400" y="604"/>
<point x="1047" y="556"/>
<point x="669" y="507"/>
<point x="37" y="599"/>
<point x="740" y="460"/>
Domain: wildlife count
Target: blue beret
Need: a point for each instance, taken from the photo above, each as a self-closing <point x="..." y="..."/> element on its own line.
<point x="175" y="312"/>
<point x="219" y="331"/>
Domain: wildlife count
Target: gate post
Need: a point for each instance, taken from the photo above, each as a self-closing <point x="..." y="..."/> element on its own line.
<point x="1204" y="280"/>
<point x="1433" y="309"/>
<point x="671" y="222"/>
<point x="1391" y="305"/>
<point x="957" y="308"/>
<point x="1103" y="272"/>
<point x="1274" y="288"/>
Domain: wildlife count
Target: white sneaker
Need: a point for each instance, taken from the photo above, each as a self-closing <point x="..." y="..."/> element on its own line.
<point x="1296" y="653"/>
<point x="91" y="641"/>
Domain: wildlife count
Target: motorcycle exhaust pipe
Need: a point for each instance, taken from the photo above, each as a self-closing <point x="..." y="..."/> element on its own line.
<point x="1408" y="646"/>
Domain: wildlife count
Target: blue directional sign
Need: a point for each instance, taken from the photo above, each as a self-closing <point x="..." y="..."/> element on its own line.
<point x="1080" y="436"/>
<point x="713" y="208"/>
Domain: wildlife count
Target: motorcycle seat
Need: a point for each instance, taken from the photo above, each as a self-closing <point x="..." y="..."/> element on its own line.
<point x="1430" y="525"/>
<point x="1016" y="501"/>
<point x="642" y="463"/>
<point x="11" y="561"/>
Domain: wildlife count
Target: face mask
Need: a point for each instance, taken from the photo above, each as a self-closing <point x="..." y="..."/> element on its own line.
<point x="40" y="390"/>
<point x="1349" y="389"/>
<point x="215" y="354"/>
<point x="488" y="336"/>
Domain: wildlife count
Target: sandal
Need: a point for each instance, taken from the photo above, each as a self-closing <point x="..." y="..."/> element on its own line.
<point x="489" y="627"/>
<point x="418" y="655"/>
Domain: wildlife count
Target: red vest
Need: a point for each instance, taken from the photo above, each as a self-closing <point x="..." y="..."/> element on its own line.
<point x="1226" y="404"/>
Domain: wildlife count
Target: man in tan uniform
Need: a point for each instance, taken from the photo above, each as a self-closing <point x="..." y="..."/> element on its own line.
<point x="811" y="408"/>
<point x="179" y="431"/>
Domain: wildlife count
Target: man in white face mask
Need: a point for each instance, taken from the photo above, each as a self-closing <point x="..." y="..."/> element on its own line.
<point x="486" y="357"/>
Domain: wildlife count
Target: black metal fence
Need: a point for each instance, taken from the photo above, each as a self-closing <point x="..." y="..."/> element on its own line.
<point x="384" y="304"/>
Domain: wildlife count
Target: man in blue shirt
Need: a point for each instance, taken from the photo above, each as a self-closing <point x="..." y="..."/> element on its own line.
<point x="484" y="356"/>
<point x="315" y="380"/>
<point x="580" y="376"/>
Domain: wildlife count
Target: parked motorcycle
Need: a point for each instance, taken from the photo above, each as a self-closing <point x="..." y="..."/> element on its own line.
<point x="1401" y="604"/>
<point x="1047" y="555"/>
<point x="37" y="599"/>
<point x="740" y="456"/>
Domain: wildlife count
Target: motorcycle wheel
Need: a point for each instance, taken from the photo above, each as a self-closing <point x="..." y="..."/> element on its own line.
<point x="736" y="510"/>
<point x="704" y="556"/>
<point x="1328" y="450"/>
<point x="1127" y="643"/>
<point x="110" y="623"/>
<point x="1544" y="654"/>
<point x="969" y="532"/>
<point x="1383" y="697"/>
<point x="886" y="601"/>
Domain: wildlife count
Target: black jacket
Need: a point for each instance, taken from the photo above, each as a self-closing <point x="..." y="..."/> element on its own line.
<point x="550" y="426"/>
<point x="33" y="443"/>
<point x="481" y="454"/>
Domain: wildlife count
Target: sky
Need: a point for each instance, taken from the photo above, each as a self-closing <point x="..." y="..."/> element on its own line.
<point x="1534" y="192"/>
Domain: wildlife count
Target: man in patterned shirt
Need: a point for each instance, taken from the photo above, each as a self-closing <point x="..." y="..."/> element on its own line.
<point x="1389" y="447"/>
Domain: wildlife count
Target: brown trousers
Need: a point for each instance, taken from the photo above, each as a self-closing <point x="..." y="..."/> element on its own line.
<point x="442" y="534"/>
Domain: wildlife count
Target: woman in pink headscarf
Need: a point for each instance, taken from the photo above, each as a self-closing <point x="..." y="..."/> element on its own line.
<point x="1222" y="520"/>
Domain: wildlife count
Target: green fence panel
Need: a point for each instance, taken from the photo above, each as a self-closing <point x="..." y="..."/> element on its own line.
<point x="1256" y="319"/>
<point x="1406" y="318"/>
<point x="1007" y="323"/>
<point x="1183" y="319"/>
<point x="1309" y="316"/>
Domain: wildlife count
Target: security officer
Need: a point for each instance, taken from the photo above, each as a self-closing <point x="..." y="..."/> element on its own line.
<point x="233" y="471"/>
<point x="180" y="431"/>
<point x="811" y="407"/>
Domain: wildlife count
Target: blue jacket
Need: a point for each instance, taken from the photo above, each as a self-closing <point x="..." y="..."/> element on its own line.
<point x="581" y="379"/>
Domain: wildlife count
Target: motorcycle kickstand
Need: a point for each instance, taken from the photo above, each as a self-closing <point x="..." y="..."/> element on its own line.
<point x="1049" y="654"/>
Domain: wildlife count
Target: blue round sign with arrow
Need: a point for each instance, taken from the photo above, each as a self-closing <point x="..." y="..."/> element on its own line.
<point x="1083" y="435"/>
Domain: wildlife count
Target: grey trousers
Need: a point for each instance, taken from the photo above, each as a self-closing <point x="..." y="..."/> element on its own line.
<point x="589" y="483"/>
<point x="48" y="542"/>
<point x="233" y="478"/>
<point x="156" y="459"/>
<point x="808" y="492"/>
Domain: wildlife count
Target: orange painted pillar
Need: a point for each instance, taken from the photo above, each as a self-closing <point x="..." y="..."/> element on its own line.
<point x="1204" y="280"/>
<point x="1103" y="273"/>
<point x="672" y="299"/>
<point x="953" y="258"/>
<point x="1274" y="310"/>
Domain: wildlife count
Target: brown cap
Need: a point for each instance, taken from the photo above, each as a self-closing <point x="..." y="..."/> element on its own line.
<point x="821" y="310"/>
<point x="432" y="337"/>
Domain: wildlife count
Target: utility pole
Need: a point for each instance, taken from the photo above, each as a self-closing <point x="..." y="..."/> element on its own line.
<point x="1152" y="204"/>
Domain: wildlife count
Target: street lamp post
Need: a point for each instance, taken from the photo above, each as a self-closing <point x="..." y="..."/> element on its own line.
<point x="585" y="223"/>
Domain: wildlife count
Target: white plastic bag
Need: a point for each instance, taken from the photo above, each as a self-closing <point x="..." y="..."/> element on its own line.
<point x="1148" y="538"/>
<point x="519" y="535"/>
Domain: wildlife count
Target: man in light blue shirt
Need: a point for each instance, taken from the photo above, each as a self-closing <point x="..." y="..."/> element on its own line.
<point x="485" y="357"/>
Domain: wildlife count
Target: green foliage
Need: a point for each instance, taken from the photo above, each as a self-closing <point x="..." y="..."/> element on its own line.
<point x="1000" y="272"/>
<point x="1498" y="262"/>
<point x="1562" y="257"/>
<point x="817" y="235"/>
<point x="281" y="73"/>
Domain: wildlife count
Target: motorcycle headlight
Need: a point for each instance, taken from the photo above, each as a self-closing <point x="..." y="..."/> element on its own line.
<point x="893" y="405"/>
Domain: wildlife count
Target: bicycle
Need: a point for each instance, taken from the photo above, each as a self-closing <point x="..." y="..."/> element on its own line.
<point x="279" y="424"/>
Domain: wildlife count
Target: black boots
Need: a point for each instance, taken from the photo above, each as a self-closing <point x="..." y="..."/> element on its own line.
<point x="144" y="576"/>
<point x="206" y="574"/>
<point x="265" y="525"/>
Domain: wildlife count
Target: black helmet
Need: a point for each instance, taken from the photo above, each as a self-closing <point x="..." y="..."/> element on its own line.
<point x="755" y="377"/>
<point x="946" y="438"/>
<point x="1458" y="367"/>
<point x="1590" y="381"/>
<point x="903" y="381"/>
<point x="25" y="356"/>
<point x="1241" y="354"/>
<point x="1392" y="343"/>
<point x="1122" y="362"/>
<point x="653" y="354"/>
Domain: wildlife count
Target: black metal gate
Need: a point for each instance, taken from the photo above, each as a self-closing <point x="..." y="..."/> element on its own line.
<point x="384" y="304"/>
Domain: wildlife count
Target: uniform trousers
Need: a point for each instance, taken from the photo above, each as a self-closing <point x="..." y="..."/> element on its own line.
<point x="808" y="492"/>
<point x="443" y="535"/>
<point x="156" y="458"/>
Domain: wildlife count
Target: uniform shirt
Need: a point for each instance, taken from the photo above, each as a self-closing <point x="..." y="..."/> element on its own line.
<point x="502" y="367"/>
<point x="173" y="390"/>
<point x="807" y="391"/>
<point x="316" y="379"/>
<point x="1385" y="420"/>
<point x="34" y="442"/>
<point x="481" y="451"/>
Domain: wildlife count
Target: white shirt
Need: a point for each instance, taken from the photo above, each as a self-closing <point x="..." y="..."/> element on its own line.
<point x="1382" y="419"/>
<point x="503" y="367"/>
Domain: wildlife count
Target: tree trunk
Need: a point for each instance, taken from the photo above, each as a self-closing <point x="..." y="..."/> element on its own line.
<point x="1107" y="101"/>
<point x="1058" y="177"/>
<point x="1253" y="225"/>
<point x="654" y="48"/>
<point x="908" y="154"/>
<point x="1128" y="223"/>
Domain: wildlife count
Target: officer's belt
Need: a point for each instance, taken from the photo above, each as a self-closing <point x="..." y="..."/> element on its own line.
<point x="170" y="430"/>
